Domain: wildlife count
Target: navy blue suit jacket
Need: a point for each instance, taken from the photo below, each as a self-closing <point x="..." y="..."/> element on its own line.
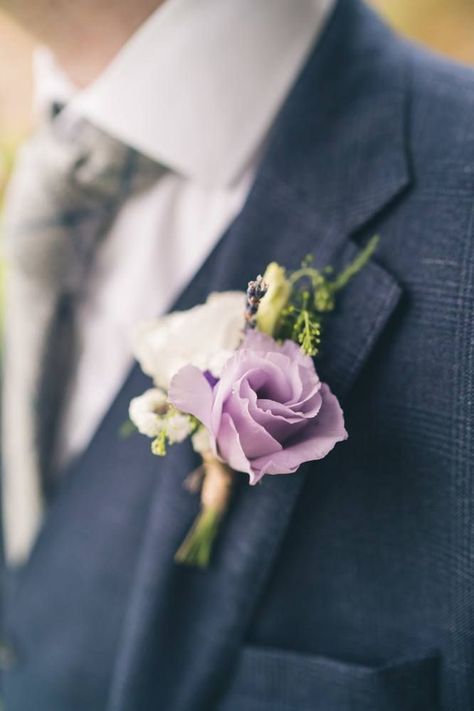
<point x="348" y="586"/>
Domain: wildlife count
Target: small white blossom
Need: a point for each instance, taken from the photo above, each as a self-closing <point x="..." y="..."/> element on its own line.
<point x="204" y="336"/>
<point x="146" y="412"/>
<point x="201" y="441"/>
<point x="178" y="427"/>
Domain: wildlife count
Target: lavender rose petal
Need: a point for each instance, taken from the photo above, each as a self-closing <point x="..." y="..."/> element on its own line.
<point x="191" y="392"/>
<point x="230" y="448"/>
<point x="256" y="440"/>
<point x="319" y="439"/>
<point x="269" y="412"/>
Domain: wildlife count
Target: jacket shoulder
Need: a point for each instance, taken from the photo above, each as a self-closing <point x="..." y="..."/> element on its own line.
<point x="441" y="109"/>
<point x="434" y="73"/>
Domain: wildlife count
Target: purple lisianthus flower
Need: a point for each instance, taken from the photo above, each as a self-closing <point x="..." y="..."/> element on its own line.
<point x="268" y="413"/>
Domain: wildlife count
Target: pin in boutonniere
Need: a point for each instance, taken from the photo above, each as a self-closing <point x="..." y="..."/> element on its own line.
<point x="237" y="376"/>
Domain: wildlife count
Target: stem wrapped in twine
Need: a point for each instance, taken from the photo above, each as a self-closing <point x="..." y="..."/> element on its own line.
<point x="215" y="496"/>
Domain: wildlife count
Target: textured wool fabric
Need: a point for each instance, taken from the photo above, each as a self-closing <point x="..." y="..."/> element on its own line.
<point x="349" y="585"/>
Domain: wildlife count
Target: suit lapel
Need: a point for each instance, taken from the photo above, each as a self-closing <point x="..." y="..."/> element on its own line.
<point x="336" y="159"/>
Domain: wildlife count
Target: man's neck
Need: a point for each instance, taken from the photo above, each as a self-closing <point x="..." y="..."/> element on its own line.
<point x="67" y="28"/>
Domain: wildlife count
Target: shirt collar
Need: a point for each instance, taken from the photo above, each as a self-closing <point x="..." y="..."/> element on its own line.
<point x="199" y="84"/>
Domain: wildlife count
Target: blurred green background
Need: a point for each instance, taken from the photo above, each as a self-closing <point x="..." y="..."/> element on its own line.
<point x="445" y="25"/>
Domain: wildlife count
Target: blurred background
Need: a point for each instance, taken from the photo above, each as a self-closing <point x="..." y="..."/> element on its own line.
<point x="445" y="25"/>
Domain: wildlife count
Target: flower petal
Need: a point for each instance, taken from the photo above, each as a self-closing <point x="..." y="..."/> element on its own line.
<point x="191" y="393"/>
<point x="230" y="448"/>
<point x="312" y="443"/>
<point x="204" y="336"/>
<point x="255" y="439"/>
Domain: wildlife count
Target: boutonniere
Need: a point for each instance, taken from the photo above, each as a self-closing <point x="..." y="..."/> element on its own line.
<point x="237" y="375"/>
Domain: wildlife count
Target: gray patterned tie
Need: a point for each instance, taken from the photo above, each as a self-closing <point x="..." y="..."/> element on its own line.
<point x="63" y="196"/>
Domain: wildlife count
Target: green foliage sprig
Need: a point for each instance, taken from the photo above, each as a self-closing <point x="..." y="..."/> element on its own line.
<point x="312" y="296"/>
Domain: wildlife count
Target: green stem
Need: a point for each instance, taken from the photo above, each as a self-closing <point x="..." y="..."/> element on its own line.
<point x="197" y="546"/>
<point x="311" y="272"/>
<point x="360" y="261"/>
<point x="345" y="276"/>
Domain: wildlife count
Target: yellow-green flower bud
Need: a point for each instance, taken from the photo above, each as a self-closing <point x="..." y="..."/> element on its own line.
<point x="275" y="299"/>
<point x="324" y="298"/>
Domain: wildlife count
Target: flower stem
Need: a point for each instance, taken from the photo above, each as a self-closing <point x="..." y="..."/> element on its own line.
<point x="196" y="548"/>
<point x="359" y="262"/>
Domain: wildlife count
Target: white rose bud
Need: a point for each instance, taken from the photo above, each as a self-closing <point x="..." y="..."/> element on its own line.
<point x="204" y="336"/>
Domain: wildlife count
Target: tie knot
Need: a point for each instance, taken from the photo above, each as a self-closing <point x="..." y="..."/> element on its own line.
<point x="66" y="188"/>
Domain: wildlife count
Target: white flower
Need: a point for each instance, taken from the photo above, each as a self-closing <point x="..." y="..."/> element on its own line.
<point x="146" y="412"/>
<point x="201" y="441"/>
<point x="178" y="427"/>
<point x="204" y="336"/>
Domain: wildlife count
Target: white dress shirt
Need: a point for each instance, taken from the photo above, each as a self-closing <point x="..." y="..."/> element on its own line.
<point x="196" y="88"/>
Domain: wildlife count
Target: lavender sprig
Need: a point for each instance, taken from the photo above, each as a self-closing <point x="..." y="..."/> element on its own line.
<point x="255" y="292"/>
